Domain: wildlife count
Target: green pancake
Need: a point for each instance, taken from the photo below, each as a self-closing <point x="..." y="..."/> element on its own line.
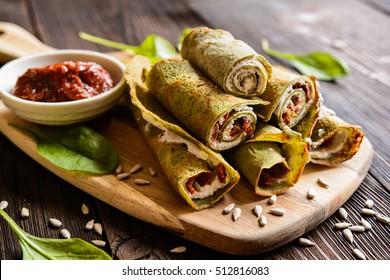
<point x="199" y="175"/>
<point x="230" y="63"/>
<point x="272" y="161"/>
<point x="294" y="101"/>
<point x="334" y="140"/>
<point x="221" y="121"/>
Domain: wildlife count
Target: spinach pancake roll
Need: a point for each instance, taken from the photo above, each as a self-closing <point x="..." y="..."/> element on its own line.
<point x="334" y="140"/>
<point x="294" y="101"/>
<point x="230" y="63"/>
<point x="272" y="161"/>
<point x="199" y="175"/>
<point x="221" y="121"/>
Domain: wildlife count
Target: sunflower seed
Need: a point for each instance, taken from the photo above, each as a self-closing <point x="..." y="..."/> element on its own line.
<point x="197" y="186"/>
<point x="229" y="208"/>
<point x="180" y="249"/>
<point x="236" y="214"/>
<point x="3" y="204"/>
<point x="136" y="168"/>
<point x="97" y="227"/>
<point x="119" y="169"/>
<point x="311" y="193"/>
<point x="348" y="235"/>
<point x="358" y="254"/>
<point x="342" y="225"/>
<point x="24" y="213"/>
<point x="152" y="172"/>
<point x="382" y="218"/>
<point x="65" y="233"/>
<point x="141" y="182"/>
<point x="262" y="220"/>
<point x="366" y="224"/>
<point x="367" y="211"/>
<point x="272" y="199"/>
<point x="343" y="213"/>
<point x="323" y="182"/>
<point x="84" y="209"/>
<point x="369" y="203"/>
<point x="357" y="228"/>
<point x="257" y="210"/>
<point x="99" y="243"/>
<point x="89" y="225"/>
<point x="305" y="242"/>
<point x="55" y="223"/>
<point x="277" y="211"/>
<point x="123" y="176"/>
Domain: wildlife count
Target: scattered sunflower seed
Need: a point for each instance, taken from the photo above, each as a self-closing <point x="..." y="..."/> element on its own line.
<point x="323" y="182"/>
<point x="262" y="220"/>
<point x="229" y="208"/>
<point x="305" y="242"/>
<point x="257" y="210"/>
<point x="342" y="225"/>
<point x="236" y="214"/>
<point x="123" y="176"/>
<point x="99" y="243"/>
<point x="152" y="172"/>
<point x="358" y="254"/>
<point x="365" y="224"/>
<point x="272" y="199"/>
<point x="97" y="227"/>
<point x="382" y="218"/>
<point x="119" y="169"/>
<point x="84" y="209"/>
<point x="65" y="233"/>
<point x="55" y="223"/>
<point x="24" y="213"/>
<point x="311" y="193"/>
<point x="367" y="211"/>
<point x="3" y="204"/>
<point x="89" y="225"/>
<point x="141" y="182"/>
<point x="343" y="213"/>
<point x="357" y="228"/>
<point x="277" y="211"/>
<point x="136" y="168"/>
<point x="369" y="203"/>
<point x="348" y="235"/>
<point x="180" y="249"/>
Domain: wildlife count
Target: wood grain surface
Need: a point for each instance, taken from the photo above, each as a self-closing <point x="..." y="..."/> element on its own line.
<point x="351" y="29"/>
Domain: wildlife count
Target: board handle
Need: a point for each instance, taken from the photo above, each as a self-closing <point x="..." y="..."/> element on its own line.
<point x="16" y="41"/>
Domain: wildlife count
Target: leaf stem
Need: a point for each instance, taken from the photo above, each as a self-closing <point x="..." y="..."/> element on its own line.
<point x="267" y="50"/>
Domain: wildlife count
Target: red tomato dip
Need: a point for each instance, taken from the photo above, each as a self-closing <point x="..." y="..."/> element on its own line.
<point x="67" y="81"/>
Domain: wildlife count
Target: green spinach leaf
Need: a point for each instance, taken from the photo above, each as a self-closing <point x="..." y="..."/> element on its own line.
<point x="75" y="147"/>
<point x="324" y="65"/>
<point x="154" y="46"/>
<point x="184" y="33"/>
<point x="36" y="248"/>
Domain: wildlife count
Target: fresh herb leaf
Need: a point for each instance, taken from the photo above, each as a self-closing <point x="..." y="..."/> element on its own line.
<point x="36" y="248"/>
<point x="154" y="46"/>
<point x="75" y="147"/>
<point x="321" y="64"/>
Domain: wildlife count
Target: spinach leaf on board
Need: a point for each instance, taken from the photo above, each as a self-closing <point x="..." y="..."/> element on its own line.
<point x="75" y="147"/>
<point x="321" y="64"/>
<point x="154" y="46"/>
<point x="36" y="248"/>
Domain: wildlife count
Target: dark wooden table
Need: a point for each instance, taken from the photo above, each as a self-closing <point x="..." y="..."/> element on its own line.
<point x="355" y="30"/>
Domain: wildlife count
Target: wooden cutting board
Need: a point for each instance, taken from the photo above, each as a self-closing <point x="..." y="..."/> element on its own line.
<point x="158" y="204"/>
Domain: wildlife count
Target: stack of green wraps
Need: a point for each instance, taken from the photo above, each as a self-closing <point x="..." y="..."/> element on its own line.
<point x="200" y="176"/>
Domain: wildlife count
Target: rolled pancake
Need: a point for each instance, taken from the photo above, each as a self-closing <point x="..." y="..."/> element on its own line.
<point x="199" y="175"/>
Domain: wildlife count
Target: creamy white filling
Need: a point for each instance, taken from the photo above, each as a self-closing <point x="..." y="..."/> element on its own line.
<point x="207" y="190"/>
<point x="336" y="146"/>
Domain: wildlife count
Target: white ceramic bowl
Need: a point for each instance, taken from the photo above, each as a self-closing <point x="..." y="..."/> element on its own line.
<point x="60" y="113"/>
